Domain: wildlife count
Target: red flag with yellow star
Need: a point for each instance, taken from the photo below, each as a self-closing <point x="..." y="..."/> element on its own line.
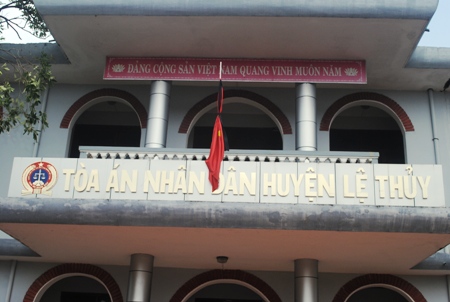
<point x="217" y="150"/>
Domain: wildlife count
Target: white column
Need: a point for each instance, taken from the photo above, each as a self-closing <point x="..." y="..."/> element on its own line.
<point x="140" y="278"/>
<point x="306" y="279"/>
<point x="305" y="124"/>
<point x="158" y="115"/>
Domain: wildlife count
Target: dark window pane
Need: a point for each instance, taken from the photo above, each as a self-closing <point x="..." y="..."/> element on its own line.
<point x="104" y="135"/>
<point x="241" y="138"/>
<point x="389" y="143"/>
<point x="84" y="297"/>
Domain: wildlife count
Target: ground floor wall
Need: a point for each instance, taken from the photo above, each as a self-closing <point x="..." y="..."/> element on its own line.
<point x="17" y="279"/>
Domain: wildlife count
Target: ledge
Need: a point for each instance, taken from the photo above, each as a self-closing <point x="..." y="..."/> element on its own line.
<point x="32" y="52"/>
<point x="225" y="215"/>
<point x="430" y="58"/>
<point x="12" y="247"/>
<point x="394" y="9"/>
<point x="437" y="261"/>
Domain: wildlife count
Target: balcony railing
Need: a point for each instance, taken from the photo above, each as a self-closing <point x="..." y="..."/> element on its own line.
<point x="233" y="155"/>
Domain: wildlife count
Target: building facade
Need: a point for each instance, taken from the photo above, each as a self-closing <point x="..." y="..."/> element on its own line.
<point x="334" y="187"/>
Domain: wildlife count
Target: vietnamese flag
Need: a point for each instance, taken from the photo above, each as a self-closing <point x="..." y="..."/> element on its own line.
<point x="217" y="150"/>
<point x="216" y="154"/>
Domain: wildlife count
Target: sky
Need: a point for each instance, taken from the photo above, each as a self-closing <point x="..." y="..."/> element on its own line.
<point x="438" y="35"/>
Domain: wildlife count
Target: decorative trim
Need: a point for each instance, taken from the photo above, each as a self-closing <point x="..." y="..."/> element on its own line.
<point x="377" y="279"/>
<point x="218" y="274"/>
<point x="195" y="110"/>
<point x="75" y="268"/>
<point x="388" y="102"/>
<point x="126" y="96"/>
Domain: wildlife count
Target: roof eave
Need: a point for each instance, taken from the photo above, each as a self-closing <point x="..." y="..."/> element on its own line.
<point x="394" y="9"/>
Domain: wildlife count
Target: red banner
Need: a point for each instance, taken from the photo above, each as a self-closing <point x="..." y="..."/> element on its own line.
<point x="236" y="70"/>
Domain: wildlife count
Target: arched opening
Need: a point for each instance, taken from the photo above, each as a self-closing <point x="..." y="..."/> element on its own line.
<point x="365" y="127"/>
<point x="381" y="285"/>
<point x="51" y="277"/>
<point x="216" y="281"/>
<point x="108" y="122"/>
<point x="376" y="294"/>
<point x="76" y="288"/>
<point x="246" y="126"/>
<point x="225" y="292"/>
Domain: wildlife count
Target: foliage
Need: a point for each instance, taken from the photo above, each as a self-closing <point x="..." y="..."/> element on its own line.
<point x="28" y="19"/>
<point x="23" y="108"/>
<point x="20" y="107"/>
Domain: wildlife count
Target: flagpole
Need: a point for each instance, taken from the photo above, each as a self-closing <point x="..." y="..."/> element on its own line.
<point x="216" y="153"/>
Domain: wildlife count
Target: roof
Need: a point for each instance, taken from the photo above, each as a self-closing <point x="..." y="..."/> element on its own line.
<point x="383" y="33"/>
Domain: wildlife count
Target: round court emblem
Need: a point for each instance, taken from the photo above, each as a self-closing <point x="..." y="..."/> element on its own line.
<point x="39" y="178"/>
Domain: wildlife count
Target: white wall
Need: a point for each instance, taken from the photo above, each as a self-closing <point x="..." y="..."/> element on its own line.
<point x="166" y="281"/>
<point x="55" y="141"/>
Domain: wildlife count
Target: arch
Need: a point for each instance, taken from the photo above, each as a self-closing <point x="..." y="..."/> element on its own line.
<point x="73" y="269"/>
<point x="279" y="116"/>
<point x="216" y="276"/>
<point x="388" y="281"/>
<point x="109" y="92"/>
<point x="394" y="107"/>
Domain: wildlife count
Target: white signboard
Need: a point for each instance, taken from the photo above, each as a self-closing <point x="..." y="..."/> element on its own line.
<point x="255" y="182"/>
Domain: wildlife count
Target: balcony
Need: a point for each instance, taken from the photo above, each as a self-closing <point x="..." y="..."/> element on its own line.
<point x="275" y="177"/>
<point x="234" y="155"/>
<point x="333" y="197"/>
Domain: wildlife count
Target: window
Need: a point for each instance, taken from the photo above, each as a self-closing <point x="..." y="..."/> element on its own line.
<point x="246" y="127"/>
<point x="225" y="293"/>
<point x="367" y="128"/>
<point x="77" y="288"/>
<point x="109" y="123"/>
<point x="376" y="294"/>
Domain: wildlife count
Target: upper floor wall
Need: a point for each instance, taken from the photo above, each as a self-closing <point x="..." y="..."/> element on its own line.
<point x="270" y="107"/>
